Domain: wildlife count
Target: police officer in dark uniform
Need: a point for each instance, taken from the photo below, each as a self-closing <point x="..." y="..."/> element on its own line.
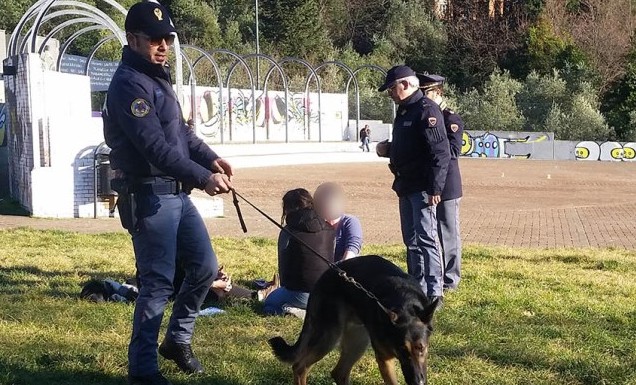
<point x="419" y="153"/>
<point x="448" y="208"/>
<point x="159" y="159"/>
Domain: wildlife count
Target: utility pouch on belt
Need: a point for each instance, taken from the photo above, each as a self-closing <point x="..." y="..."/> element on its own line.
<point x="126" y="205"/>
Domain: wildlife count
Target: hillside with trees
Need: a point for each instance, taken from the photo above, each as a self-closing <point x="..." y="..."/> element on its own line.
<point x="565" y="66"/>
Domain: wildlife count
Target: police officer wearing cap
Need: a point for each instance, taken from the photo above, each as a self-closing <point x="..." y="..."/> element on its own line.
<point x="159" y="159"/>
<point x="419" y="154"/>
<point x="448" y="208"/>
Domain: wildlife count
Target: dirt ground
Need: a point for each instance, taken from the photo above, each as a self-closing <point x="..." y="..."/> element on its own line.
<point x="506" y="202"/>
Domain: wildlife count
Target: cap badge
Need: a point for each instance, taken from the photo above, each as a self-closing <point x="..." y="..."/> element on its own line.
<point x="159" y="14"/>
<point x="140" y="107"/>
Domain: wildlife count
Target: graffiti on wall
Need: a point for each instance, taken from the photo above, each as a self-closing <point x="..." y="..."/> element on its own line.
<point x="489" y="145"/>
<point x="3" y="125"/>
<point x="606" y="151"/>
<point x="270" y="109"/>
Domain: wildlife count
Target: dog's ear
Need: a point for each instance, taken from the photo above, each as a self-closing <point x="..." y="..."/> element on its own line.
<point x="393" y="316"/>
<point x="426" y="314"/>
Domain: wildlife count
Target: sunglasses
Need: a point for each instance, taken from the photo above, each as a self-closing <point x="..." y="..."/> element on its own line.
<point x="390" y="89"/>
<point x="157" y="41"/>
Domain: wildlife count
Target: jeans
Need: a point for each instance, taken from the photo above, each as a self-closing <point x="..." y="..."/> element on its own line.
<point x="419" y="233"/>
<point x="282" y="297"/>
<point x="451" y="242"/>
<point x="168" y="225"/>
<point x="365" y="144"/>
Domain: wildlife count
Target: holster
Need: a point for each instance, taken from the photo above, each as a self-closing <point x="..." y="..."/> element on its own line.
<point x="126" y="204"/>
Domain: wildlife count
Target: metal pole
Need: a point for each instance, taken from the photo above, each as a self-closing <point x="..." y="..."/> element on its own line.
<point x="258" y="47"/>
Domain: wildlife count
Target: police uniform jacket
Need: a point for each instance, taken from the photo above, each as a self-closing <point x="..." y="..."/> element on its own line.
<point x="454" y="130"/>
<point x="145" y="129"/>
<point x="419" y="150"/>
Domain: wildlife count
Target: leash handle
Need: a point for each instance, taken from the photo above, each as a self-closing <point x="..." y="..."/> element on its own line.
<point x="238" y="210"/>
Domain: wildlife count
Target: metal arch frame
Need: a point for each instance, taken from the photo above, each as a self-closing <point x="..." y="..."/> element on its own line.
<point x="314" y="74"/>
<point x="240" y="59"/>
<point x="217" y="70"/>
<point x="355" y="83"/>
<point x="96" y="13"/>
<point x="53" y="15"/>
<point x="60" y="27"/>
<point x="97" y="46"/>
<point x="374" y="68"/>
<point x="15" y="36"/>
<point x="69" y="41"/>
<point x="285" y="87"/>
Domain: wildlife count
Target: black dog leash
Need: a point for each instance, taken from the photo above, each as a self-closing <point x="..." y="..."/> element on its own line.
<point x="331" y="265"/>
<point x="238" y="210"/>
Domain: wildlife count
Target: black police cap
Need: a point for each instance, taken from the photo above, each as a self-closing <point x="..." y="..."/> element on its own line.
<point x="149" y="18"/>
<point x="396" y="73"/>
<point x="428" y="81"/>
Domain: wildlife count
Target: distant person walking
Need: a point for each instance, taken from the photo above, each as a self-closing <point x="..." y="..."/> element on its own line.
<point x="365" y="138"/>
<point x="448" y="208"/>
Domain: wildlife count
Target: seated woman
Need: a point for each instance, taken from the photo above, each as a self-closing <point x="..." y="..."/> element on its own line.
<point x="298" y="267"/>
<point x="329" y="201"/>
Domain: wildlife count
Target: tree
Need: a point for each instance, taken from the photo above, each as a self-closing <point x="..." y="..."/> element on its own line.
<point x="420" y="42"/>
<point x="357" y="23"/>
<point x="495" y="108"/>
<point x="619" y="103"/>
<point x="296" y="28"/>
<point x="584" y="122"/>
<point x="539" y="96"/>
<point x="601" y="29"/>
<point x="197" y="22"/>
<point x="479" y="42"/>
<point x="12" y="11"/>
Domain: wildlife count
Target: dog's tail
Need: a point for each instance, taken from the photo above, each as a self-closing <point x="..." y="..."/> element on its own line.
<point x="282" y="350"/>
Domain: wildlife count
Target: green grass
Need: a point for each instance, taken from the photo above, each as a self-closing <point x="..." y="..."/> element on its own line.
<point x="520" y="317"/>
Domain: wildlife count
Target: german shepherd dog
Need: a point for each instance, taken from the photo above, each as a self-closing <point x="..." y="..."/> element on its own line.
<point x="339" y="312"/>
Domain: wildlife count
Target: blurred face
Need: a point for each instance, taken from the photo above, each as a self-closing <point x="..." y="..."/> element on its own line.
<point x="330" y="206"/>
<point x="400" y="90"/>
<point x="435" y="95"/>
<point x="155" y="50"/>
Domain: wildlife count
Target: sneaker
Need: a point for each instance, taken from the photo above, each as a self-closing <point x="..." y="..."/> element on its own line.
<point x="275" y="280"/>
<point x="155" y="379"/>
<point x="182" y="355"/>
<point x="273" y="285"/>
<point x="295" y="311"/>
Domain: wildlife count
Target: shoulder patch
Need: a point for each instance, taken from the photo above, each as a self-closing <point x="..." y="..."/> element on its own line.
<point x="432" y="121"/>
<point x="140" y="107"/>
<point x="454" y="127"/>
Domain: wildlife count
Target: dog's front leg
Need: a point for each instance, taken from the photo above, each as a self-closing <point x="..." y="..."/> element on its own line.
<point x="387" y="370"/>
<point x="300" y="376"/>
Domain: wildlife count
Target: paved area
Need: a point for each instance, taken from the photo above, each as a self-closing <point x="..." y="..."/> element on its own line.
<point x="520" y="203"/>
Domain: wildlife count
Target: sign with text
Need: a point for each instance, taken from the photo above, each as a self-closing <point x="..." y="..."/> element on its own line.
<point x="100" y="71"/>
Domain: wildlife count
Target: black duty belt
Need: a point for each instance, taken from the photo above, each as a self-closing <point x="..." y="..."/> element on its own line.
<point x="156" y="185"/>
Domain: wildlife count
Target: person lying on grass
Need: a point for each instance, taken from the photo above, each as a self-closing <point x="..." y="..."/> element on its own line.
<point x="221" y="289"/>
<point x="299" y="268"/>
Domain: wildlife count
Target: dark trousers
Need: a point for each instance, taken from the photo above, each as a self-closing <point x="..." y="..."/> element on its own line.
<point x="168" y="225"/>
<point x="419" y="233"/>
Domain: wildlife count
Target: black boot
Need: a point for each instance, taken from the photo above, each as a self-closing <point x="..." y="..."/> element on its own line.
<point x="155" y="379"/>
<point x="182" y="355"/>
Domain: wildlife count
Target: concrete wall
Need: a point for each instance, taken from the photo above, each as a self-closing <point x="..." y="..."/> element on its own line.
<point x="303" y="113"/>
<point x="379" y="130"/>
